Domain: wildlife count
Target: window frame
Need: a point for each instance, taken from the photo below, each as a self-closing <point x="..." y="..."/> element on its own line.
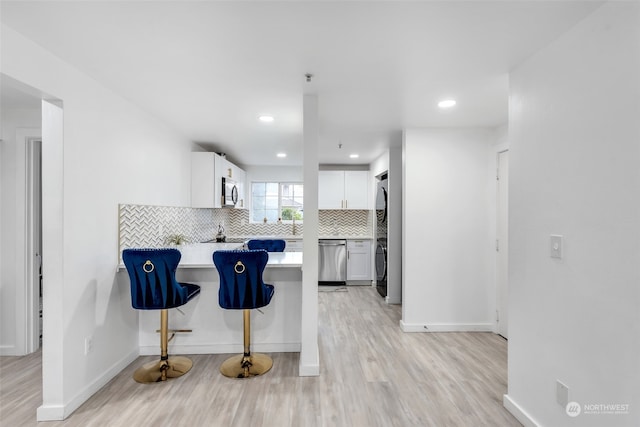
<point x="280" y="205"/>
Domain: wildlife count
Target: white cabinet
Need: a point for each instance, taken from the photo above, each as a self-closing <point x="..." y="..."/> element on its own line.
<point x="206" y="190"/>
<point x="359" y="260"/>
<point x="207" y="170"/>
<point x="356" y="189"/>
<point x="343" y="190"/>
<point x="293" y="245"/>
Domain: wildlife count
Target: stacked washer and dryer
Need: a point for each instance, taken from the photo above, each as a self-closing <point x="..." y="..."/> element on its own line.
<point x="381" y="235"/>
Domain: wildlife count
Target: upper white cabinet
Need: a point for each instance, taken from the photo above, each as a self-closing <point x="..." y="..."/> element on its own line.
<point x="343" y="190"/>
<point x="207" y="171"/>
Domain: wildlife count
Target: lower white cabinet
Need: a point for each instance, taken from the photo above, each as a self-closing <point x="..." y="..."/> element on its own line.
<point x="293" y="245"/>
<point x="359" y="260"/>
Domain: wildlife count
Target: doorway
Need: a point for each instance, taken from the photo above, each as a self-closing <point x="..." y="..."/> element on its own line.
<point x="33" y="274"/>
<point x="502" y="244"/>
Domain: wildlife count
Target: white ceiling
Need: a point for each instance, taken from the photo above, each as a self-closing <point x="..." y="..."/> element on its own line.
<point x="210" y="68"/>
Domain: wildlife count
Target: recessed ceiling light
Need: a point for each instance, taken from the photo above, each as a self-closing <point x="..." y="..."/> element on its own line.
<point x="354" y="156"/>
<point x="447" y="103"/>
<point x="266" y="119"/>
<point x="282" y="155"/>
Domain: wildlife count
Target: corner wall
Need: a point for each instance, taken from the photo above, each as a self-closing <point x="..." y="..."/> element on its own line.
<point x="112" y="153"/>
<point x="574" y="171"/>
<point x="447" y="246"/>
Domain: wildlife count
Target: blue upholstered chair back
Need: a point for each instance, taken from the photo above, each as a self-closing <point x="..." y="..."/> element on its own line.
<point x="152" y="273"/>
<point x="241" y="285"/>
<point x="276" y="245"/>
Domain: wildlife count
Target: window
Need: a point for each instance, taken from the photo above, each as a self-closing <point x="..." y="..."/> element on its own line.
<point x="272" y="201"/>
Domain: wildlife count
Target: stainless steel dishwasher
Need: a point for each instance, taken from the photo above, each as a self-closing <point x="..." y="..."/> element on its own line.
<point x="332" y="261"/>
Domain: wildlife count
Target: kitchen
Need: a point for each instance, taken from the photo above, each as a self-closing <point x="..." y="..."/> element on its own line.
<point x="224" y="208"/>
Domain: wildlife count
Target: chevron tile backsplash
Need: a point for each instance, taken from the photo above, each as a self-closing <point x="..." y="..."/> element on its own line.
<point x="345" y="223"/>
<point x="151" y="226"/>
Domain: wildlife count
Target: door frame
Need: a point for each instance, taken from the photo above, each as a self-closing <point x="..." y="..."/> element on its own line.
<point x="502" y="247"/>
<point x="33" y="242"/>
<point x="25" y="322"/>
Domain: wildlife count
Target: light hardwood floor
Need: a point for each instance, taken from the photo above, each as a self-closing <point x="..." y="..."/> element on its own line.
<point x="372" y="374"/>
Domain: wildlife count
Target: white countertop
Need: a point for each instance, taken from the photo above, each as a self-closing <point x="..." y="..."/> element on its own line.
<point x="200" y="255"/>
<point x="299" y="237"/>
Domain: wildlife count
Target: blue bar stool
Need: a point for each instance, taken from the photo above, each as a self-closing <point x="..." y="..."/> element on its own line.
<point x="242" y="288"/>
<point x="270" y="245"/>
<point x="152" y="273"/>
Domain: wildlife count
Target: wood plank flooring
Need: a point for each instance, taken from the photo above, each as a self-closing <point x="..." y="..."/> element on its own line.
<point x="372" y="374"/>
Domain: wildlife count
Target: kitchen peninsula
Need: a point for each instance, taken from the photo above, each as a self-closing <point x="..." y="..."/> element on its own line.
<point x="277" y="328"/>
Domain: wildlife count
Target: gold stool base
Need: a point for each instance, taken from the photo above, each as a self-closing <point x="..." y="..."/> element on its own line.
<point x="151" y="372"/>
<point x="238" y="367"/>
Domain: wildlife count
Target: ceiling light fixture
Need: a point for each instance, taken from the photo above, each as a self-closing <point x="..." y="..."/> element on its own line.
<point x="266" y="119"/>
<point x="447" y="103"/>
<point x="282" y="155"/>
<point x="354" y="156"/>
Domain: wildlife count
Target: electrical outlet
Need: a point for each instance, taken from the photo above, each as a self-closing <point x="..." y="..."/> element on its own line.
<point x="88" y="345"/>
<point x="562" y="394"/>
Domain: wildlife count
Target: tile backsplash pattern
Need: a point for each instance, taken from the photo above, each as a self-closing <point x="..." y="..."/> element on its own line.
<point x="151" y="226"/>
<point x="239" y="225"/>
<point x="330" y="222"/>
<point x="345" y="223"/>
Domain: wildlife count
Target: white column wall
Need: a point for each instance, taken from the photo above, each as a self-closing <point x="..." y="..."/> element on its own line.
<point x="448" y="250"/>
<point x="112" y="153"/>
<point x="574" y="171"/>
<point x="309" y="352"/>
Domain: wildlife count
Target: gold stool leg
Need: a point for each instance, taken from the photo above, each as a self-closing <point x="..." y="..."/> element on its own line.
<point x="249" y="364"/>
<point x="167" y="367"/>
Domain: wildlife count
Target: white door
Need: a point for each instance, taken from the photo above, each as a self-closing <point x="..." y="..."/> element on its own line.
<point x="502" y="244"/>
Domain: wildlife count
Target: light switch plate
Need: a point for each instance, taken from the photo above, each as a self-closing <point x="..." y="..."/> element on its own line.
<point x="555" y="246"/>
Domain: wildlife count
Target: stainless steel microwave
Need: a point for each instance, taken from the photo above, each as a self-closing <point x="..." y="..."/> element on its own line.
<point x="229" y="193"/>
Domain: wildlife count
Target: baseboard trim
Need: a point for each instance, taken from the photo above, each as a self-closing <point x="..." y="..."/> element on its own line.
<point x="390" y="300"/>
<point x="520" y="414"/>
<point x="60" y="412"/>
<point x="446" y="327"/>
<point x="308" y="370"/>
<point x="50" y="413"/>
<point x="222" y="348"/>
<point x="9" y="350"/>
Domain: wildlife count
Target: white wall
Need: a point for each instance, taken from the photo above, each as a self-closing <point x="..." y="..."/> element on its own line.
<point x="113" y="153"/>
<point x="447" y="244"/>
<point x="12" y="225"/>
<point x="574" y="171"/>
